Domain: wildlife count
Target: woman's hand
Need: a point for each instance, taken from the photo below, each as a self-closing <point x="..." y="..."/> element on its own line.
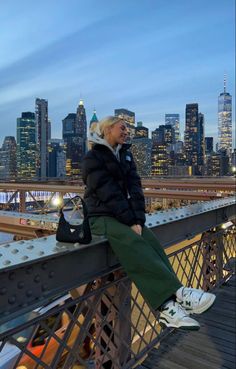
<point x="137" y="229"/>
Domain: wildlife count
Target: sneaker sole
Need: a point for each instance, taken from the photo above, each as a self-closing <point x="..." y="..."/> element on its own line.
<point x="203" y="308"/>
<point x="186" y="328"/>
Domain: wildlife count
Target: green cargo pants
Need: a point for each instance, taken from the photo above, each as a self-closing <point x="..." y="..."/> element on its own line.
<point x="142" y="257"/>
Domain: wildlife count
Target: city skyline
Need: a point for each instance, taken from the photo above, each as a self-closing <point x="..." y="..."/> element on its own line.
<point x="152" y="58"/>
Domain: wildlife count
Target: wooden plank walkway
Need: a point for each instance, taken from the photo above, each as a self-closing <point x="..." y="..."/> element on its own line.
<point x="212" y="347"/>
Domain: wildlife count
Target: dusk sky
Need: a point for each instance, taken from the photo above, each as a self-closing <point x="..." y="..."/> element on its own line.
<point x="149" y="56"/>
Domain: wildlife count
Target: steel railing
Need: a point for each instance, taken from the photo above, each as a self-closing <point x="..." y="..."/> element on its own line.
<point x="105" y="322"/>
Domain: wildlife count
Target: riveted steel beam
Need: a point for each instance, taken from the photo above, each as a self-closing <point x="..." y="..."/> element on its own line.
<point x="32" y="272"/>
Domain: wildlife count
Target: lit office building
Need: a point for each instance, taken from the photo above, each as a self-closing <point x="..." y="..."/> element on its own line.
<point x="74" y="134"/>
<point x="173" y="120"/>
<point x="142" y="149"/>
<point x="225" y="120"/>
<point x="43" y="133"/>
<point x="26" y="145"/>
<point x="8" y="158"/>
<point x="160" y="160"/>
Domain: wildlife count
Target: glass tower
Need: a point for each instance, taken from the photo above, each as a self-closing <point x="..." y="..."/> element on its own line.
<point x="225" y="120"/>
<point x="26" y="145"/>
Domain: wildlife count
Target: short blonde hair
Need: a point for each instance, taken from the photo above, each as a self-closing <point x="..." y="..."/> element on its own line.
<point x="100" y="126"/>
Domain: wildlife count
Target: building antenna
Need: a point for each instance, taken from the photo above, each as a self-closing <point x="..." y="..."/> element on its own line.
<point x="224" y="83"/>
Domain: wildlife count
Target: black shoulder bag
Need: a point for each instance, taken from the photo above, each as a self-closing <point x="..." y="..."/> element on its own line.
<point x="67" y="232"/>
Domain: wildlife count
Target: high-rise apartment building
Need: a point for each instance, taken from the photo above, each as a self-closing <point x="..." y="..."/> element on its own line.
<point x="173" y="120"/>
<point x="129" y="118"/>
<point x="8" y="158"/>
<point x="43" y="132"/>
<point x="225" y="120"/>
<point x="26" y="145"/>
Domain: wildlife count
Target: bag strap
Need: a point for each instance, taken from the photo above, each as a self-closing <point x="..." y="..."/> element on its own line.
<point x="82" y="202"/>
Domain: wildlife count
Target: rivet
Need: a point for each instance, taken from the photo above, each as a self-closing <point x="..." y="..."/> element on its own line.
<point x="14" y="251"/>
<point x="12" y="300"/>
<point x="7" y="245"/>
<point x="25" y="257"/>
<point x="41" y="253"/>
<point x="20" y="285"/>
<point x="30" y="247"/>
<point x="0" y="255"/>
<point x="157" y="222"/>
<point x="3" y="291"/>
<point x="150" y="224"/>
<point x="7" y="262"/>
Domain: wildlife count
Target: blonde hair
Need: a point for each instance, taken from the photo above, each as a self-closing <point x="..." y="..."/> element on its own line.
<point x="100" y="126"/>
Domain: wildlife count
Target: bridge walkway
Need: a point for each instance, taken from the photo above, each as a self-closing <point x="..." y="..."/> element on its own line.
<point x="212" y="347"/>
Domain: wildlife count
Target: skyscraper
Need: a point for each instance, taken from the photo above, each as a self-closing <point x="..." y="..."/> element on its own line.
<point x="74" y="134"/>
<point x="8" y="158"/>
<point x="201" y="143"/>
<point x="173" y="120"/>
<point x="26" y="145"/>
<point x="43" y="132"/>
<point x="191" y="136"/>
<point x="225" y="120"/>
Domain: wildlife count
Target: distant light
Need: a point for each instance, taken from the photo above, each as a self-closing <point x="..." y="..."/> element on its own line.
<point x="56" y="201"/>
<point x="226" y="225"/>
<point x="233" y="169"/>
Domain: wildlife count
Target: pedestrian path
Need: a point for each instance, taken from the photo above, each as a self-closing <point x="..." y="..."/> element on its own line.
<point x="212" y="347"/>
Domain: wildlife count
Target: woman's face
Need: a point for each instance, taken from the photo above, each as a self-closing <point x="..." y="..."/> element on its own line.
<point x="117" y="133"/>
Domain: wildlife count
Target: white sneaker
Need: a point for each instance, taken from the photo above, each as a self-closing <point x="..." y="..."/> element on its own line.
<point x="193" y="300"/>
<point x="175" y="316"/>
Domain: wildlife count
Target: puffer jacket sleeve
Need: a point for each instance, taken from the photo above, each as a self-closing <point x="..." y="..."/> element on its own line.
<point x="137" y="200"/>
<point x="99" y="181"/>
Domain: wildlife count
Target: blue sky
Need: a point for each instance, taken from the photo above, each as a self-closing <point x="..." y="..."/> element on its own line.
<point x="149" y="56"/>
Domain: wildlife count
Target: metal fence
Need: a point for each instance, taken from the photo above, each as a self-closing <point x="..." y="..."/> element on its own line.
<point x="106" y="323"/>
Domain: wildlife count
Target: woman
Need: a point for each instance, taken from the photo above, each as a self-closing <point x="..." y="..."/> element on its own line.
<point x="116" y="208"/>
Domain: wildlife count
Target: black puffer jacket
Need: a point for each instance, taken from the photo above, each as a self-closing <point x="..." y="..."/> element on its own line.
<point x="113" y="187"/>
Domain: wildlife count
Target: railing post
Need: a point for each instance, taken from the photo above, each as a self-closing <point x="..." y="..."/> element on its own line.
<point x="22" y="206"/>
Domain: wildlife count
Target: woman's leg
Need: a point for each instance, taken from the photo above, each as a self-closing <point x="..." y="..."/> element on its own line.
<point x="150" y="237"/>
<point x="143" y="264"/>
